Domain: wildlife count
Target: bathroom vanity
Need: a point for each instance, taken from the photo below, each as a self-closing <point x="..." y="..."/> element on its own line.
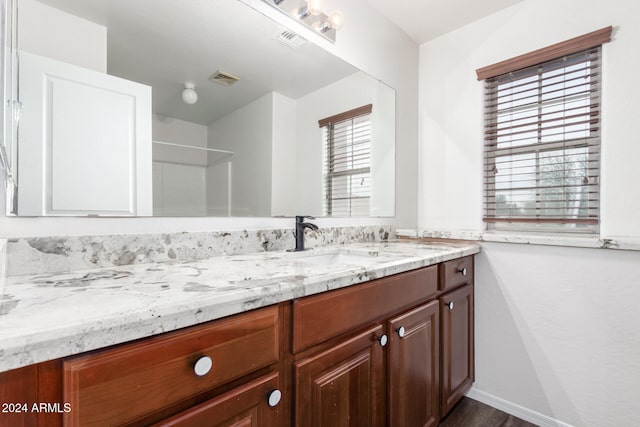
<point x="362" y="334"/>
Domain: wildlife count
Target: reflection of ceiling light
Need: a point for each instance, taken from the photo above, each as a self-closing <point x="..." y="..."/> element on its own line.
<point x="189" y="94"/>
<point x="310" y="13"/>
<point x="303" y="12"/>
<point x="335" y="21"/>
<point x="314" y="7"/>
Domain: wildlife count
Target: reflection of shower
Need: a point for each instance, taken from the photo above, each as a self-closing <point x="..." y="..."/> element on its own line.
<point x="188" y="183"/>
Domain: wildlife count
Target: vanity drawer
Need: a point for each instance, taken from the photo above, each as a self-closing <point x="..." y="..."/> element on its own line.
<point x="456" y="272"/>
<point x="321" y="317"/>
<point x="120" y="385"/>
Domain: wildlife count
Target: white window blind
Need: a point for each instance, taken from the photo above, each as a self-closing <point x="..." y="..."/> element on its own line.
<point x="542" y="143"/>
<point x="347" y="162"/>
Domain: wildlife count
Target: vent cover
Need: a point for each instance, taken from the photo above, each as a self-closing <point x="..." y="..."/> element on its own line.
<point x="223" y="78"/>
<point x="290" y="38"/>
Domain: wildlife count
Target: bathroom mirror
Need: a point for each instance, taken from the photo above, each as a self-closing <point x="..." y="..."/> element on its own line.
<point x="191" y="108"/>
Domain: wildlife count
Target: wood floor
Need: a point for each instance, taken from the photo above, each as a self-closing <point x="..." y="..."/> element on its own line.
<point x="471" y="413"/>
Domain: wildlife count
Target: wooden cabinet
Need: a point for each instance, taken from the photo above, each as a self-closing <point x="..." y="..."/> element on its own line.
<point x="343" y="385"/>
<point x="129" y="382"/>
<point x="252" y="404"/>
<point x="228" y="372"/>
<point x="395" y="351"/>
<point x="347" y="378"/>
<point x="457" y="344"/>
<point x="413" y="368"/>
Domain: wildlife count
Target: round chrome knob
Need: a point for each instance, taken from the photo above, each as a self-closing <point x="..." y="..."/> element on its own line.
<point x="463" y="271"/>
<point x="203" y="366"/>
<point x="401" y="331"/>
<point x="449" y="305"/>
<point x="383" y="340"/>
<point x="274" y="397"/>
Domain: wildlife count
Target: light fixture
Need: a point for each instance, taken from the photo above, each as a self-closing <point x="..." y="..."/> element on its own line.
<point x="189" y="94"/>
<point x="311" y="7"/>
<point x="309" y="13"/>
<point x="334" y="21"/>
<point x="303" y="12"/>
<point x="314" y="7"/>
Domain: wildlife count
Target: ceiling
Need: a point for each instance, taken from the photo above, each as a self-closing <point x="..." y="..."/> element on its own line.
<point x="424" y="20"/>
<point x="164" y="43"/>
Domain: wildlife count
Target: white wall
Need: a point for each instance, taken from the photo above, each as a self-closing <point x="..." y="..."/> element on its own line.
<point x="176" y="131"/>
<point x="283" y="156"/>
<point x="556" y="328"/>
<point x="50" y="32"/>
<point x="557" y="331"/>
<point x="181" y="189"/>
<point x="248" y="133"/>
<point x="179" y="174"/>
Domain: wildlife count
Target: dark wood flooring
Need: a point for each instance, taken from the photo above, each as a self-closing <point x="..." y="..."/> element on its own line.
<point x="471" y="413"/>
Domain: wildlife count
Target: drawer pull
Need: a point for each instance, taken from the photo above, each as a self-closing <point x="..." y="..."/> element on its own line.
<point x="274" y="397"/>
<point x="382" y="340"/>
<point x="203" y="366"/>
<point x="449" y="305"/>
<point x="463" y="271"/>
<point x="401" y="331"/>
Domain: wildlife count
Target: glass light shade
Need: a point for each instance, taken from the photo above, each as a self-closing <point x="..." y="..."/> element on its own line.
<point x="189" y="95"/>
<point x="336" y="20"/>
<point x="314" y="7"/>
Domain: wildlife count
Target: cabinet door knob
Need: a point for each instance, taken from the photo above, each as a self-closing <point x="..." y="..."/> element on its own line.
<point x="383" y="340"/>
<point x="274" y="397"/>
<point x="463" y="271"/>
<point x="401" y="331"/>
<point x="449" y="305"/>
<point x="203" y="366"/>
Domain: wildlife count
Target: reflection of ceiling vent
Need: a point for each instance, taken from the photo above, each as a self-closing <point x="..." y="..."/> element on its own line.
<point x="223" y="78"/>
<point x="290" y="38"/>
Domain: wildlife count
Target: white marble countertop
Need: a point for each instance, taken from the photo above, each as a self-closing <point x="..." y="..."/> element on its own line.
<point x="47" y="316"/>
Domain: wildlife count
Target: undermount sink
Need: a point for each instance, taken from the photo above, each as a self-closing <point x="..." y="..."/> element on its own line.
<point x="342" y="258"/>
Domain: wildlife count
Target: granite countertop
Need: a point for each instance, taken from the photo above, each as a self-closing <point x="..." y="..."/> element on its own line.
<point x="47" y="316"/>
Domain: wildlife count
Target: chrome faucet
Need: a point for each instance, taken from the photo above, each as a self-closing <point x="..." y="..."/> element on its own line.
<point x="300" y="226"/>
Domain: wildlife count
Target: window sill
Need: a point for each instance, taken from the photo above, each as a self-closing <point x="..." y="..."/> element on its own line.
<point x="575" y="241"/>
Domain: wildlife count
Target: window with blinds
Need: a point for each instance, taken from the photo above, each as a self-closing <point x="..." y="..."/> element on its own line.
<point x="542" y="144"/>
<point x="347" y="162"/>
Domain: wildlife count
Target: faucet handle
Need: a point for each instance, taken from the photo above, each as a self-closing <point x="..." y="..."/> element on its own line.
<point x="301" y="218"/>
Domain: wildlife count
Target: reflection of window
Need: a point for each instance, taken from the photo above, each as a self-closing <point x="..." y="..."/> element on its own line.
<point x="542" y="144"/>
<point x="347" y="162"/>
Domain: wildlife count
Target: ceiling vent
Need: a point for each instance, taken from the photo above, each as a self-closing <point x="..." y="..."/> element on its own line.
<point x="223" y="78"/>
<point x="290" y="38"/>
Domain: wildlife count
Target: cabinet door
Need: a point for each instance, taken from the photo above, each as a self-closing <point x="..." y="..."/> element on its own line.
<point x="255" y="404"/>
<point x="343" y="386"/>
<point x="413" y="368"/>
<point x="457" y="363"/>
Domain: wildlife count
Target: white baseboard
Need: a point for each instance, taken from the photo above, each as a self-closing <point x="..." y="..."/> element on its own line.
<point x="516" y="410"/>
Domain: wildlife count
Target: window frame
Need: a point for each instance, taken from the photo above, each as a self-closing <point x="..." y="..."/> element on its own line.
<point x="328" y="126"/>
<point x="523" y="67"/>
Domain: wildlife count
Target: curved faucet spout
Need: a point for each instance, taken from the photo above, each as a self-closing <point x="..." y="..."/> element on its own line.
<point x="300" y="226"/>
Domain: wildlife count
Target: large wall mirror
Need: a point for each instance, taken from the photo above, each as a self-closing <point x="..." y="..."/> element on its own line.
<point x="192" y="108"/>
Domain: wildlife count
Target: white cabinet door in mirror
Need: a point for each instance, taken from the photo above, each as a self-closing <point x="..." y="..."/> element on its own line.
<point x="88" y="135"/>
